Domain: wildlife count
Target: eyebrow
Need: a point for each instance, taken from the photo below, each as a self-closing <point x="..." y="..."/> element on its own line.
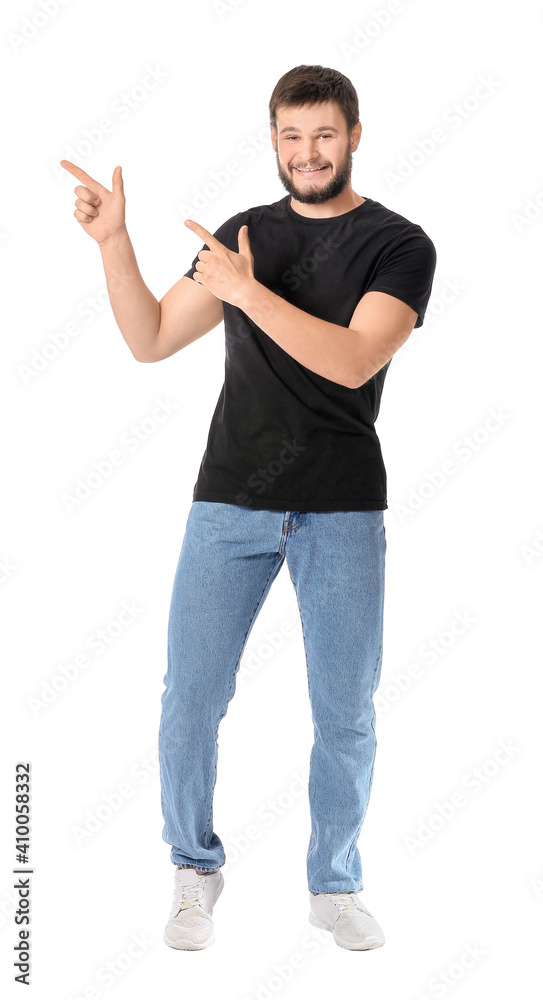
<point x="321" y="128"/>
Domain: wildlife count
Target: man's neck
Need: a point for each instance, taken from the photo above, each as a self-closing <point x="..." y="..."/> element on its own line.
<point x="344" y="202"/>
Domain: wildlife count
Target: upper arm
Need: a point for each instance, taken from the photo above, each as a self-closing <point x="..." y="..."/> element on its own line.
<point x="187" y="312"/>
<point x="384" y="323"/>
<point x="395" y="300"/>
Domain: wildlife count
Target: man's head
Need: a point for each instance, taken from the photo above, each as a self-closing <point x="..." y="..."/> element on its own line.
<point x="314" y="124"/>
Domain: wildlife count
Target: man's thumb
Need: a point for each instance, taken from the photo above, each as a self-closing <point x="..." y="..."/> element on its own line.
<point x="117" y="180"/>
<point x="243" y="239"/>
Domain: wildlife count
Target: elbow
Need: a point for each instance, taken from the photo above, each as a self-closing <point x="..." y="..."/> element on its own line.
<point x="144" y="359"/>
<point x="357" y="374"/>
<point x="354" y="381"/>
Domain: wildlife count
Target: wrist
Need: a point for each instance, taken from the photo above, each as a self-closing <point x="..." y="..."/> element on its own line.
<point x="247" y="294"/>
<point x="119" y="234"/>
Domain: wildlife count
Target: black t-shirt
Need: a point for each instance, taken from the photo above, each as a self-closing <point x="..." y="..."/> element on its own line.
<point x="283" y="437"/>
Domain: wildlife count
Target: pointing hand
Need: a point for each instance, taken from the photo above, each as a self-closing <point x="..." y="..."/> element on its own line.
<point x="225" y="273"/>
<point x="99" y="211"/>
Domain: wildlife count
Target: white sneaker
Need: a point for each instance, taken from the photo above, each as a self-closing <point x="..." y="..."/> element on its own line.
<point x="190" y="926"/>
<point x="350" y="921"/>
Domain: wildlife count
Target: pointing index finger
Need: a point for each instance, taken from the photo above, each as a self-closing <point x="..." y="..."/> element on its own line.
<point x="92" y="184"/>
<point x="208" y="238"/>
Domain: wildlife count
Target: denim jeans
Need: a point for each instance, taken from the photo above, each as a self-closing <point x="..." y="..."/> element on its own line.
<point x="229" y="558"/>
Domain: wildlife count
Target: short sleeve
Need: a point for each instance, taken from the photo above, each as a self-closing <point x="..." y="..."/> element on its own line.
<point x="227" y="234"/>
<point x="407" y="271"/>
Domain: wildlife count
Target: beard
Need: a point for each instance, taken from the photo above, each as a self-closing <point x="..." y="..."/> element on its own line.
<point x="317" y="193"/>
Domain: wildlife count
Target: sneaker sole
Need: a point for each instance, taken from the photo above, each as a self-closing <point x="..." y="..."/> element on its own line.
<point x="349" y="945"/>
<point x="183" y="944"/>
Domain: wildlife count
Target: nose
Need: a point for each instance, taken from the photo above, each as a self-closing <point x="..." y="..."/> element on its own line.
<point x="307" y="153"/>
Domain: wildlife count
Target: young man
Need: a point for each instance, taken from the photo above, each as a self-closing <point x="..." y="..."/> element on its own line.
<point x="317" y="291"/>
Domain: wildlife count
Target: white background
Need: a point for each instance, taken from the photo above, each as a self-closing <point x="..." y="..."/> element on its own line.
<point x="466" y="544"/>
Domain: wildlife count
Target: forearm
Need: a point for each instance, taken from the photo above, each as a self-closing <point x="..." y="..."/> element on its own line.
<point x="136" y="310"/>
<point x="330" y="350"/>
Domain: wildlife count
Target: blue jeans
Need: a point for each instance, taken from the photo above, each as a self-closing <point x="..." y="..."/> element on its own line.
<point x="229" y="559"/>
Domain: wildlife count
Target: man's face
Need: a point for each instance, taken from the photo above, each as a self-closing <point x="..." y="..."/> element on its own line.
<point x="302" y="142"/>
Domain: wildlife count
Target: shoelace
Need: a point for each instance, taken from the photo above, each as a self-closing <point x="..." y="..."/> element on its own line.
<point x="346" y="900"/>
<point x="189" y="895"/>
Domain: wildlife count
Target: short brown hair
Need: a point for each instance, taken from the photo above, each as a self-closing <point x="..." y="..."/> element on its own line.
<point x="315" y="85"/>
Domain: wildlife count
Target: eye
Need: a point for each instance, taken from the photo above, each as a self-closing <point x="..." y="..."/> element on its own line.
<point x="323" y="135"/>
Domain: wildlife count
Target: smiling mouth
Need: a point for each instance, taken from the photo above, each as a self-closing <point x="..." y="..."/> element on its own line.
<point x="317" y="170"/>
